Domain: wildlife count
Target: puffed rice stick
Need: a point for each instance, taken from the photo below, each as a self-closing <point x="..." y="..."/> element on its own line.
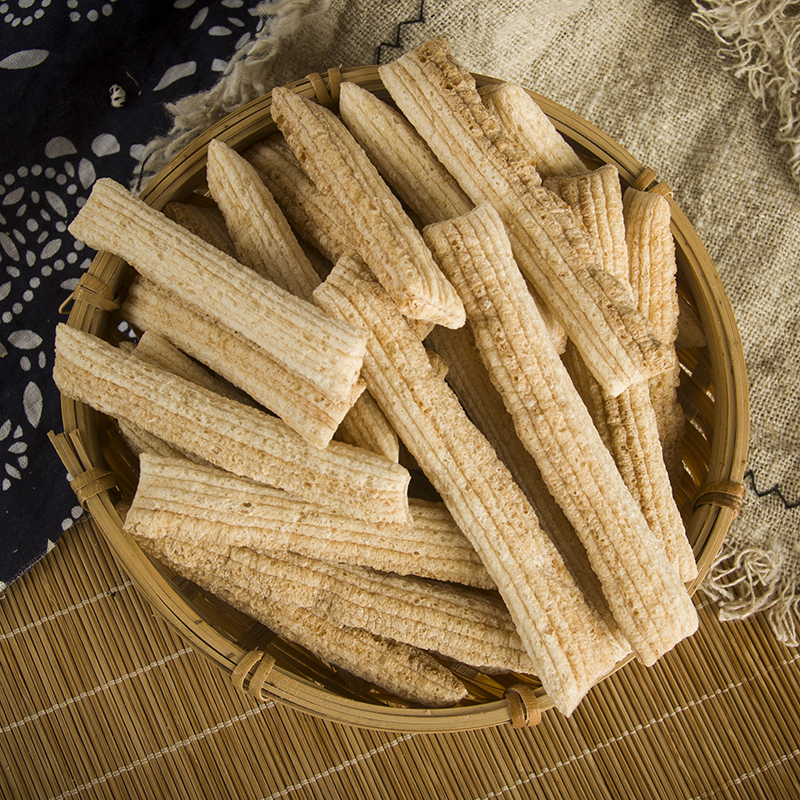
<point x="409" y="166"/>
<point x="260" y="232"/>
<point x="441" y="100"/>
<point x="298" y="197"/>
<point x="205" y="221"/>
<point x="405" y="671"/>
<point x="384" y="235"/>
<point x="651" y="251"/>
<point x="402" y="157"/>
<point x="266" y="243"/>
<point x="296" y="334"/>
<point x="524" y="120"/>
<point x="150" y="307"/>
<point x="627" y="423"/>
<point x="644" y="592"/>
<point x="471" y="382"/>
<point x="208" y="505"/>
<point x="569" y="645"/>
<point x="235" y="437"/>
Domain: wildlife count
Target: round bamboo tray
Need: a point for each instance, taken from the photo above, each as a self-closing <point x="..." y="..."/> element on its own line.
<point x="713" y="393"/>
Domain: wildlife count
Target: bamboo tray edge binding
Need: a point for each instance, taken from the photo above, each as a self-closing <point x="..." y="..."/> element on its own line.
<point x="714" y="387"/>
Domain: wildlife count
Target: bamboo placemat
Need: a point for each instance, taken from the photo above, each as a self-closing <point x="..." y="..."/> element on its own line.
<point x="102" y="699"/>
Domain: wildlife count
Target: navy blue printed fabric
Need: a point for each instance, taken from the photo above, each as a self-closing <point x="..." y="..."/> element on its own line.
<point x="61" y="65"/>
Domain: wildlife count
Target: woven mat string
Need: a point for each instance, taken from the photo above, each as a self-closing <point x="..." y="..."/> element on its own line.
<point x="91" y="483"/>
<point x="523" y="706"/>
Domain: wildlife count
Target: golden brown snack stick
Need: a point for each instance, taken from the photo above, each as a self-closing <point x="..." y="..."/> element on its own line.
<point x="405" y="671"/>
<point x="210" y="505"/>
<point x="568" y="643"/>
<point x="525" y="121"/>
<point x="401" y="155"/>
<point x="383" y="234"/>
<point x="293" y="332"/>
<point x="651" y="251"/>
<point x="644" y="592"/>
<point x="441" y="100"/>
<point x="261" y="233"/>
<point x="235" y="437"/>
<point x="204" y="220"/>
<point x="298" y="197"/>
<point x="296" y="400"/>
<point x="627" y="423"/>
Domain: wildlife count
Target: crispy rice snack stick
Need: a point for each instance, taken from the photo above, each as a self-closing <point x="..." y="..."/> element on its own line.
<point x="261" y="233"/>
<point x="470" y="380"/>
<point x="383" y="234"/>
<point x="205" y="221"/>
<point x="209" y="505"/>
<point x="441" y="100"/>
<point x="266" y="243"/>
<point x="651" y="250"/>
<point x="569" y="645"/>
<point x="232" y="436"/>
<point x="525" y="121"/>
<point x="405" y="671"/>
<point x="150" y="307"/>
<point x="298" y="197"/>
<point x="644" y="592"/>
<point x="296" y="334"/>
<point x="401" y="155"/>
<point x="409" y="166"/>
<point x="627" y="423"/>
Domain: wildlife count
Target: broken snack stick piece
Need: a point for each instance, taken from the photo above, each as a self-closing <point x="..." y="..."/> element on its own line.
<point x="384" y="235"/>
<point x="211" y="505"/>
<point x="296" y="334"/>
<point x="644" y="592"/>
<point x="232" y="436"/>
<point x="407" y="672"/>
<point x="569" y="645"/>
<point x="441" y="100"/>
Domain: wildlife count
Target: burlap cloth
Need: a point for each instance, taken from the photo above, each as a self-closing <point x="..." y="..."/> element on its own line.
<point x="714" y="126"/>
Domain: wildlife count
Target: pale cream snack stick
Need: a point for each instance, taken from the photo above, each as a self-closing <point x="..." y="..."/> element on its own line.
<point x="149" y="306"/>
<point x="441" y="100"/>
<point x="627" y="423"/>
<point x="570" y="646"/>
<point x="651" y="250"/>
<point x="406" y="671"/>
<point x="265" y="242"/>
<point x="235" y="437"/>
<point x="209" y="504"/>
<point x="382" y="232"/>
<point x="295" y="333"/>
<point x="528" y="124"/>
<point x="203" y="219"/>
<point x="644" y="592"/>
<point x="409" y="166"/>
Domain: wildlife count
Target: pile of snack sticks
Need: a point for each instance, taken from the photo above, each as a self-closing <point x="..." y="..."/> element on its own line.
<point x="435" y="283"/>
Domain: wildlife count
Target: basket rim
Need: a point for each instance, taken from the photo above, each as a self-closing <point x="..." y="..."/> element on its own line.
<point x="709" y="523"/>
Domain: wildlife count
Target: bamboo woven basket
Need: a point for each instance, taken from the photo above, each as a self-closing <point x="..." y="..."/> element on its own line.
<point x="713" y="393"/>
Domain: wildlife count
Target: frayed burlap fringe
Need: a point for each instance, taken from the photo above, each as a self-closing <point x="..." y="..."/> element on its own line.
<point x="761" y="43"/>
<point x="751" y="581"/>
<point x="245" y="77"/>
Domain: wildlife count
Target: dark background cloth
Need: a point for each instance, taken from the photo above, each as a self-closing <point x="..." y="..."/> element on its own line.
<point x="59" y="133"/>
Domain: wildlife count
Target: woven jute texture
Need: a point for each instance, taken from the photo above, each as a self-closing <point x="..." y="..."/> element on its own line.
<point x="102" y="700"/>
<point x="673" y="86"/>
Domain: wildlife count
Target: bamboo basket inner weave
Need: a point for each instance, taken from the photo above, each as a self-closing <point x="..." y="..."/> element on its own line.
<point x="713" y="393"/>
